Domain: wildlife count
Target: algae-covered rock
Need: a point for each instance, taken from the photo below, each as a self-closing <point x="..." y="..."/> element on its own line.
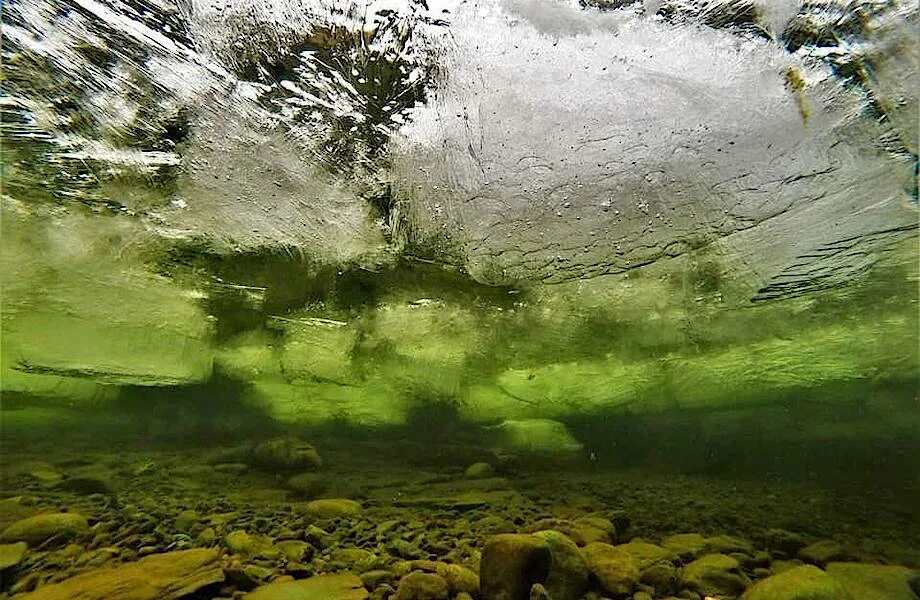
<point x="535" y="436"/>
<point x="37" y="529"/>
<point x="876" y="582"/>
<point x="582" y="531"/>
<point x="657" y="565"/>
<point x="568" y="572"/>
<point x="250" y="545"/>
<point x="479" y="470"/>
<point x="511" y="563"/>
<point x="459" y="579"/>
<point x="341" y="586"/>
<point x="686" y="545"/>
<point x="714" y="575"/>
<point x="286" y="454"/>
<point x="158" y="577"/>
<point x="332" y="508"/>
<point x="799" y="583"/>
<point x="11" y="554"/>
<point x="822" y="552"/>
<point x="418" y="585"/>
<point x="614" y="568"/>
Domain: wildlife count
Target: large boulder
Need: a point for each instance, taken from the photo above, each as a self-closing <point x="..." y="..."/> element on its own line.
<point x="568" y="573"/>
<point x="157" y="577"/>
<point x="806" y="582"/>
<point x="657" y="565"/>
<point x="511" y="563"/>
<point x="877" y="582"/>
<point x="614" y="568"/>
<point x="37" y="529"/>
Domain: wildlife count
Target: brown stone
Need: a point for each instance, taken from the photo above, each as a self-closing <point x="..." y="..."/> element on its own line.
<point x="511" y="563"/>
<point x="157" y="577"/>
<point x="341" y="586"/>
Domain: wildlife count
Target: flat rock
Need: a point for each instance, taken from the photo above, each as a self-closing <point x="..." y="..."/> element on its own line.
<point x="157" y="577"/>
<point x="799" y="583"/>
<point x="511" y="563"/>
<point x="331" y="508"/>
<point x="11" y="554"/>
<point x="341" y="586"/>
<point x="877" y="582"/>
<point x="37" y="529"/>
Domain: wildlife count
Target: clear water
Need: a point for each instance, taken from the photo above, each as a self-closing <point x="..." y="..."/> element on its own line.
<point x="654" y="263"/>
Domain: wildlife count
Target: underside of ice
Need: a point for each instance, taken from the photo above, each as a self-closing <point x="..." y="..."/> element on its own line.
<point x="276" y="190"/>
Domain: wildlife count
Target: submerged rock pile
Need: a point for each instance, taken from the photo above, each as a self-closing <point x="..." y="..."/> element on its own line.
<point x="184" y="530"/>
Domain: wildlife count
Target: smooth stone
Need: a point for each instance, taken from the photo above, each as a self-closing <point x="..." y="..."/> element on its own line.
<point x="511" y="563"/>
<point x="459" y="578"/>
<point x="340" y="586"/>
<point x="799" y="583"/>
<point x="187" y="519"/>
<point x="332" y="508"/>
<point x="37" y="529"/>
<point x="480" y="470"/>
<point x="822" y="552"/>
<point x="376" y="578"/>
<point x="250" y="545"/>
<point x="877" y="582"/>
<point x="714" y="575"/>
<point x="686" y="545"/>
<point x="568" y="572"/>
<point x="582" y="531"/>
<point x="726" y="544"/>
<point x="157" y="577"/>
<point x="418" y="585"/>
<point x="46" y="475"/>
<point x="646" y="554"/>
<point x="295" y="550"/>
<point x="787" y="542"/>
<point x="615" y="568"/>
<point x="11" y="554"/>
<point x="356" y="559"/>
